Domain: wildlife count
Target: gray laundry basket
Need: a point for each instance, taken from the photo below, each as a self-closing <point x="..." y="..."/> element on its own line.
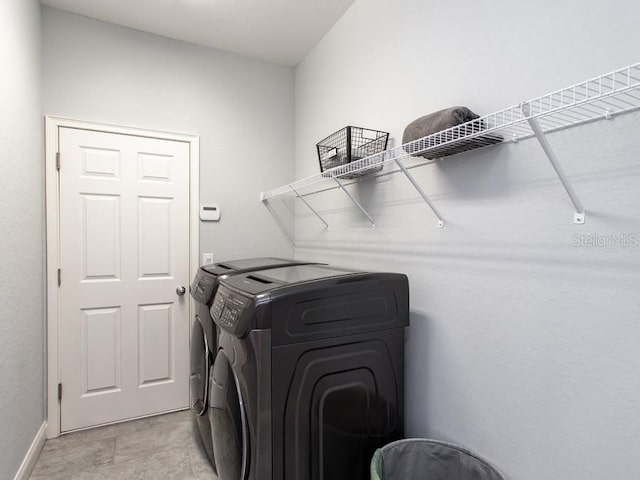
<point x="423" y="459"/>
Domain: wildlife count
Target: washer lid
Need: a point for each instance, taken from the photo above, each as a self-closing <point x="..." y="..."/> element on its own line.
<point x="302" y="273"/>
<point x="263" y="280"/>
<point x="245" y="264"/>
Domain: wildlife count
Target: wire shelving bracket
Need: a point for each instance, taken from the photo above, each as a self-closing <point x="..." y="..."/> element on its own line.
<point x="326" y="225"/>
<point x="420" y="191"/>
<point x="355" y="202"/>
<point x="579" y="215"/>
<point x="601" y="97"/>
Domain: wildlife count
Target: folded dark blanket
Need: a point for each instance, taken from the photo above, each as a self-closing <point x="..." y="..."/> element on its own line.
<point x="442" y="120"/>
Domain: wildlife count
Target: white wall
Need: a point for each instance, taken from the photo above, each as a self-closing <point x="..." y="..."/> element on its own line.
<point x="22" y="237"/>
<point x="522" y="345"/>
<point x="241" y="108"/>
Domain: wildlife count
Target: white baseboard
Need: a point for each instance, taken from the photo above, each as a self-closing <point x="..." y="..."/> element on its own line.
<point x="32" y="455"/>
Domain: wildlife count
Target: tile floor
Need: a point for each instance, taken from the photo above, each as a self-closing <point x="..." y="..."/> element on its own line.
<point x="160" y="448"/>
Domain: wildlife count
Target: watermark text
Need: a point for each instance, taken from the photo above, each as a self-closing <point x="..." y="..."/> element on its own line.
<point x="598" y="240"/>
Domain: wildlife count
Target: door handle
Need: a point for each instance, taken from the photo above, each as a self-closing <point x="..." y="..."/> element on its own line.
<point x="180" y="290"/>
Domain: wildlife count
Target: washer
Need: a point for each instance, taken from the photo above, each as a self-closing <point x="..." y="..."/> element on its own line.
<point x="309" y="376"/>
<point x="204" y="335"/>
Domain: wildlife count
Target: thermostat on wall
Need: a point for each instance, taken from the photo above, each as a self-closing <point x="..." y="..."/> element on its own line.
<point x="210" y="213"/>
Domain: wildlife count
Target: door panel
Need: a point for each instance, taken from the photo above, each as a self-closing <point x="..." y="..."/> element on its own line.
<point x="156" y="328"/>
<point x="334" y="402"/>
<point x="100" y="162"/>
<point x="124" y="248"/>
<point x="228" y="422"/>
<point x="101" y="368"/>
<point x="101" y="236"/>
<point x="154" y="236"/>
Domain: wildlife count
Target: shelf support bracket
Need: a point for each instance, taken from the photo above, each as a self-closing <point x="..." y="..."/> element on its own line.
<point x="326" y="225"/>
<point x="579" y="215"/>
<point x="420" y="191"/>
<point x="355" y="202"/>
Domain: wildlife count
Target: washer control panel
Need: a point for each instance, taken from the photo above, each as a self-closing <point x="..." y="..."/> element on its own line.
<point x="228" y="309"/>
<point x="203" y="286"/>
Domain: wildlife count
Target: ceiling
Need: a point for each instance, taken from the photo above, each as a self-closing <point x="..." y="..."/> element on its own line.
<point x="279" y="31"/>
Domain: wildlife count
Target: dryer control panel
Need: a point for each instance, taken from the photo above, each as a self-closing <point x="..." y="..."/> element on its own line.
<point x="228" y="309"/>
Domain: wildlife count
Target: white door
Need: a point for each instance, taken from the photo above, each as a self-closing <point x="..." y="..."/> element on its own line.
<point x="124" y="252"/>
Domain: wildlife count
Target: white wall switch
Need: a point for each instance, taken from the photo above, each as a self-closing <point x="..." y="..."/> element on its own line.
<point x="207" y="258"/>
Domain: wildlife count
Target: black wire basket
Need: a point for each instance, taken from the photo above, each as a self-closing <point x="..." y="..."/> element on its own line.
<point x="348" y="145"/>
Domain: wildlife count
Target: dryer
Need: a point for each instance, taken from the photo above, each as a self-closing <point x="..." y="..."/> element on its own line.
<point x="204" y="334"/>
<point x="309" y="376"/>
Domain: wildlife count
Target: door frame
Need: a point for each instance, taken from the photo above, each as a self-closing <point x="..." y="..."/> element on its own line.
<point x="52" y="207"/>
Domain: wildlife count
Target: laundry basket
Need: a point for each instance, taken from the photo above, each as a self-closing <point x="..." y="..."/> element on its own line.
<point x="348" y="145"/>
<point x="423" y="459"/>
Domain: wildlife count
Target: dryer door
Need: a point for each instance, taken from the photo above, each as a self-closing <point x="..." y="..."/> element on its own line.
<point x="334" y="402"/>
<point x="200" y="364"/>
<point x="228" y="421"/>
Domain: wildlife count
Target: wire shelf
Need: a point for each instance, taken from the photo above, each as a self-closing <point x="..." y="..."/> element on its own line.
<point x="594" y="99"/>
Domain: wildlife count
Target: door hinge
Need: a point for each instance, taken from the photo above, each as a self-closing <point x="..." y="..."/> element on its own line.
<point x="58" y="161"/>
<point x="59" y="276"/>
<point x="59" y="391"/>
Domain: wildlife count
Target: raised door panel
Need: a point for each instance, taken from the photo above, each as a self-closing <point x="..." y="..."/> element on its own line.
<point x="101" y="367"/>
<point x="155" y="237"/>
<point x="101" y="237"/>
<point x="156" y="344"/>
<point x="100" y="162"/>
<point x="154" y="167"/>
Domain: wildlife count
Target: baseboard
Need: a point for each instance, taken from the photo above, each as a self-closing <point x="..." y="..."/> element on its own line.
<point x="32" y="455"/>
